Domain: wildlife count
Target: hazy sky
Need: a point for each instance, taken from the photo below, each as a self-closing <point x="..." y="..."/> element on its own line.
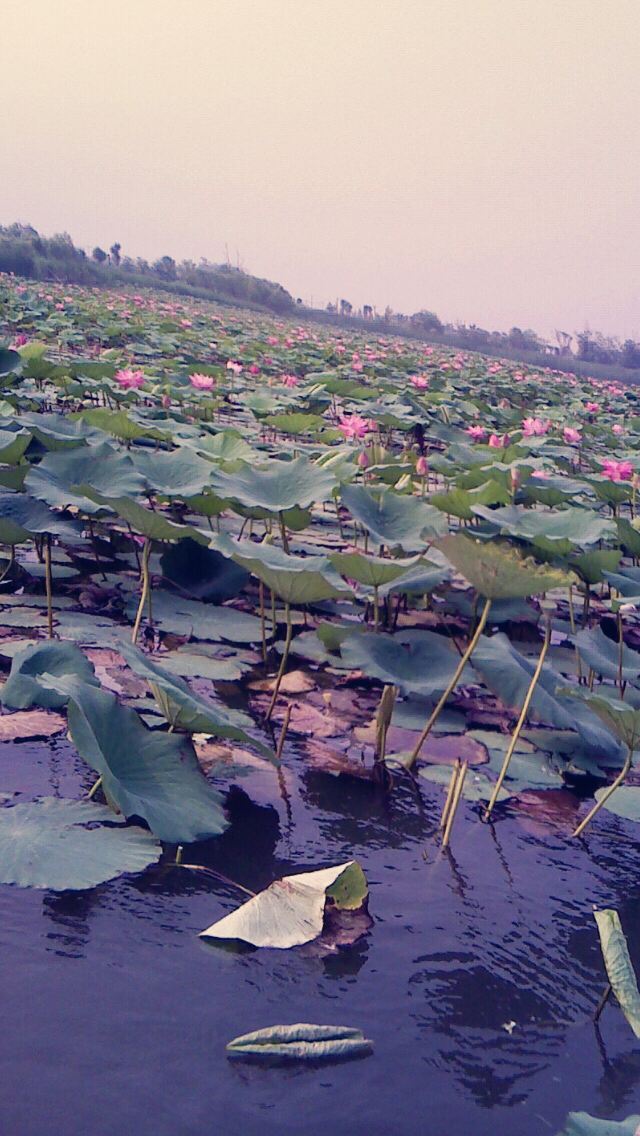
<point x="477" y="157"/>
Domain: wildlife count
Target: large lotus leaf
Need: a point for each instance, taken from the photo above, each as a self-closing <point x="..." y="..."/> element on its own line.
<point x="13" y="443"/>
<point x="47" y="844"/>
<point x="291" y="910"/>
<point x="121" y="425"/>
<point x="300" y="1042"/>
<point x="508" y="674"/>
<point x="22" y="688"/>
<point x="145" y="773"/>
<point x="625" y="802"/>
<point x="604" y="655"/>
<point x="22" y="517"/>
<point x="592" y="566"/>
<point x="392" y="519"/>
<point x="620" y="972"/>
<point x="148" y="522"/>
<point x="57" y="433"/>
<point x="559" y="529"/>
<point x="227" y="446"/>
<point x="295" y="579"/>
<point x="202" y="572"/>
<point x="629" y="535"/>
<point x="622" y="719"/>
<point x="499" y="572"/>
<point x="202" y="620"/>
<point x="418" y="662"/>
<point x="417" y="581"/>
<point x="10" y="361"/>
<point x="188" y="710"/>
<point x="626" y="582"/>
<point x="106" y="470"/>
<point x="295" y="423"/>
<point x="371" y="570"/>
<point x="277" y="486"/>
<point x="460" y="502"/>
<point x="180" y="473"/>
<point x="582" y="1124"/>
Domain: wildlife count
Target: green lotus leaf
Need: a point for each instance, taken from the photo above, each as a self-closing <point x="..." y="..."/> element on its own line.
<point x="622" y="719"/>
<point x="295" y="579"/>
<point x="22" y="688"/>
<point x="22" y="517"/>
<point x="477" y="786"/>
<point x="371" y="570"/>
<point x="392" y="519"/>
<point x="13" y="443"/>
<point x="202" y="620"/>
<point x="47" y="844"/>
<point x="180" y="473"/>
<point x="10" y="361"/>
<point x="591" y="566"/>
<point x="145" y="773"/>
<point x="104" y="468"/>
<point x="560" y="530"/>
<point x="148" y="522"/>
<point x="277" y="486"/>
<point x="606" y="657"/>
<point x="188" y="710"/>
<point x="497" y="571"/>
<point x="418" y="662"/>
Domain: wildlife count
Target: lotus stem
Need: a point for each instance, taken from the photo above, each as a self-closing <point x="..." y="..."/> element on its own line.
<point x="146" y="552"/>
<point x="620" y="656"/>
<point x="520" y="723"/>
<point x="48" y="584"/>
<point x="450" y="791"/>
<point x="283" y="531"/>
<point x="283" y="664"/>
<point x="455" y="801"/>
<point x="435" y="714"/>
<point x="94" y="788"/>
<point x="263" y="633"/>
<point x="376" y="609"/>
<point x="572" y="618"/>
<point x="605" y="796"/>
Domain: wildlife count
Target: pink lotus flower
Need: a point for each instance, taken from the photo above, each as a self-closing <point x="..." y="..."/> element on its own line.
<point x="130" y="380"/>
<point x="422" y="467"/>
<point x="202" y="382"/>
<point x="236" y="368"/>
<point x="166" y="401"/>
<point x="477" y="433"/>
<point x="419" y="381"/>
<point x="254" y="369"/>
<point x="535" y="427"/>
<point x="20" y="340"/>
<point x="290" y="380"/>
<point x="592" y="407"/>
<point x="570" y="434"/>
<point x="541" y="474"/>
<point x="499" y="441"/>
<point x="618" y="429"/>
<point x="617" y="470"/>
<point x="353" y="426"/>
<point x="272" y="340"/>
<point x="363" y="460"/>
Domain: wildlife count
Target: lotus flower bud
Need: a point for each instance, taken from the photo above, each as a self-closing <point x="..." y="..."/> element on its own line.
<point x="422" y="467"/>
<point x="363" y="460"/>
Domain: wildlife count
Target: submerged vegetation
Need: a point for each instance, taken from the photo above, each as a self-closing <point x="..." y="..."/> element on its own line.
<point x="227" y="534"/>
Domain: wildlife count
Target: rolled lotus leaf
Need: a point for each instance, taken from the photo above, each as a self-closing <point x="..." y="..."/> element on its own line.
<point x="619" y="967"/>
<point x="300" y="1042"/>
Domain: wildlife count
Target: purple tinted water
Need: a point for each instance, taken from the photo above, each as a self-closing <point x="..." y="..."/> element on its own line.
<point x="115" y="1015"/>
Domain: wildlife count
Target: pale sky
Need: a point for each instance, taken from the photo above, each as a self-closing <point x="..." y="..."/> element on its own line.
<point x="477" y="157"/>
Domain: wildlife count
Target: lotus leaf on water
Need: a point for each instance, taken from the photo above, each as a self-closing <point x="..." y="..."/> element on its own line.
<point x="300" y="1042"/>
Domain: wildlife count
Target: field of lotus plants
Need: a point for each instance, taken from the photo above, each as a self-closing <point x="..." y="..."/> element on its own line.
<point x="324" y="647"/>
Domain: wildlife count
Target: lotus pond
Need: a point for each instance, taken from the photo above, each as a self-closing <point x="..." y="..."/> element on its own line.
<point x="321" y="660"/>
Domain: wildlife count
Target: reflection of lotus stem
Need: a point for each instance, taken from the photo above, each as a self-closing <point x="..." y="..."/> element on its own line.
<point x="606" y="994"/>
<point x="48" y="585"/>
<point x="455" y="801"/>
<point x="435" y="714"/>
<point x="283" y="664"/>
<point x="146" y="552"/>
<point x="450" y="791"/>
<point x="283" y="531"/>
<point x="520" y="723"/>
<point x="605" y="796"/>
<point x="263" y="633"/>
<point x="283" y="733"/>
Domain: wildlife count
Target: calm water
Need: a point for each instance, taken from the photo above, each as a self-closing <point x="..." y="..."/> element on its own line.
<point x="115" y="1015"/>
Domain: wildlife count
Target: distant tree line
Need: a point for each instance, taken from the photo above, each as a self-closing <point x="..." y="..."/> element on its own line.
<point x="24" y="252"/>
